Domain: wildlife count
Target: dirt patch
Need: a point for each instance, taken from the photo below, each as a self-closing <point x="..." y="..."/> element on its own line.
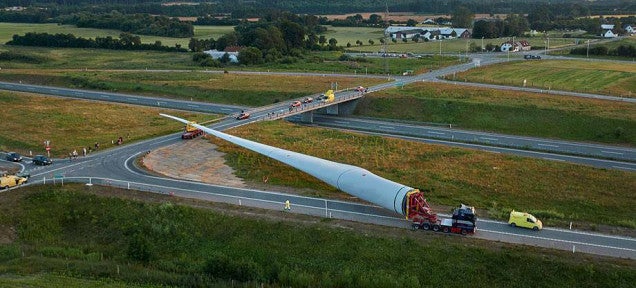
<point x="196" y="160"/>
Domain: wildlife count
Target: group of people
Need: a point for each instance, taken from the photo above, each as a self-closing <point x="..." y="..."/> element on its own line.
<point x="85" y="151"/>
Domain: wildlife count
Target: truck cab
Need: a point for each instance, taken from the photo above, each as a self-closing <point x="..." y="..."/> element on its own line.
<point x="525" y="220"/>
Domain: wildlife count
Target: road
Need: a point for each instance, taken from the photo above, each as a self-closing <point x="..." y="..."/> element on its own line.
<point x="115" y="167"/>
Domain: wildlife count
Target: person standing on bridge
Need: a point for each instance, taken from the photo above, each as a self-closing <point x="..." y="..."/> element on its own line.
<point x="287" y="205"/>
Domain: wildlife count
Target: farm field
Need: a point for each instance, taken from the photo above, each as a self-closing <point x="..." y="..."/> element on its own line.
<point x="609" y="78"/>
<point x="238" y="89"/>
<point x="527" y="114"/>
<point x="7" y="30"/>
<point x="73" y="124"/>
<point x="78" y="236"/>
<point x="557" y="192"/>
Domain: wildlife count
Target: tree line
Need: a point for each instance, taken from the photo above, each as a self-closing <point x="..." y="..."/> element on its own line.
<point x="143" y="24"/>
<point x="126" y="41"/>
<point x="620" y="51"/>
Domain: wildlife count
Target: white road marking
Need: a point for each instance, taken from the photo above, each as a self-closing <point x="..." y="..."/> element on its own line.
<point x="435" y="132"/>
<point x="133" y="99"/>
<point x="194" y="106"/>
<point x="553" y="159"/>
<point x="559" y="240"/>
<point x="489" y="139"/>
<point x="341" y="122"/>
<point x="547" y="145"/>
<point x="226" y="109"/>
<point x="611" y="152"/>
<point x="386" y="127"/>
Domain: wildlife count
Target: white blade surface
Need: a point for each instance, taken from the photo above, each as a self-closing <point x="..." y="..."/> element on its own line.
<point x="350" y="179"/>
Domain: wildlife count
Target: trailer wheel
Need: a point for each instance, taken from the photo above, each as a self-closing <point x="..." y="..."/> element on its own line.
<point x="415" y="227"/>
<point x="535" y="228"/>
<point x="464" y="232"/>
<point x="426" y="226"/>
<point x="435" y="228"/>
<point x="446" y="229"/>
<point x="513" y="224"/>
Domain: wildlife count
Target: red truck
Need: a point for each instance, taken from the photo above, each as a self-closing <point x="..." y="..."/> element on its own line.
<point x="463" y="220"/>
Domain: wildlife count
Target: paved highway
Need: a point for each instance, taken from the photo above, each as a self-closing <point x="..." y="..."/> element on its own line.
<point x="115" y="167"/>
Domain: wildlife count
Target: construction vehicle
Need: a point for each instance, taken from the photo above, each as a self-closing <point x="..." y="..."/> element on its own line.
<point x="191" y="131"/>
<point x="8" y="181"/>
<point x="422" y="217"/>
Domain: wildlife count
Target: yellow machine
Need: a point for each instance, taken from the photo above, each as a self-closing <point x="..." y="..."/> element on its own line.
<point x="330" y="96"/>
<point x="8" y="181"/>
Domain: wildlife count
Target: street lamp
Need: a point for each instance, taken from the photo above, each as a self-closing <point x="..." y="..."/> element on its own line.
<point x="482" y="43"/>
<point x="588" y="48"/>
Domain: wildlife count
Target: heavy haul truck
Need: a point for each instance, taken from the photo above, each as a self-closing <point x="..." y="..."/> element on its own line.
<point x="463" y="220"/>
<point x="361" y="183"/>
<point x="191" y="132"/>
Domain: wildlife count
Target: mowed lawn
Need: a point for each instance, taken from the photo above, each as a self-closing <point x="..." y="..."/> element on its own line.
<point x="229" y="88"/>
<point x="555" y="191"/>
<point x="28" y="120"/>
<point x="507" y="112"/>
<point x="598" y="77"/>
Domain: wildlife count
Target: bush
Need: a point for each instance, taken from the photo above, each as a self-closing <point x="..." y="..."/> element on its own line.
<point x="223" y="267"/>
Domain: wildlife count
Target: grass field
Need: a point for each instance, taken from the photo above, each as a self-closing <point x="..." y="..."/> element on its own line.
<point x="7" y="30"/>
<point x="68" y="233"/>
<point x="238" y="89"/>
<point x="609" y="78"/>
<point x="450" y="47"/>
<point x="73" y="124"/>
<point x="507" y="112"/>
<point x="557" y="192"/>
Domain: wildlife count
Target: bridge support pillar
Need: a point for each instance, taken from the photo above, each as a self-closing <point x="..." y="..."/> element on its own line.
<point x="307" y="117"/>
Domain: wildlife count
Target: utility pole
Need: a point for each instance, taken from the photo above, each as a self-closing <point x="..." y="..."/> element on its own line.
<point x="385" y="44"/>
<point x="588" y="48"/>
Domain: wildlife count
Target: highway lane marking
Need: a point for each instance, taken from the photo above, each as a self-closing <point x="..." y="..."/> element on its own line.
<point x="193" y="106"/>
<point x="547" y="145"/>
<point x="435" y="132"/>
<point x="576" y="232"/>
<point x="553" y="159"/>
<point x="386" y="127"/>
<point x="559" y="240"/>
<point x="489" y="139"/>
<point x="341" y="122"/>
<point x="105" y="96"/>
<point x="624" y="168"/>
<point x="54" y="91"/>
<point x="611" y="152"/>
<point x="132" y="99"/>
<point x="226" y="109"/>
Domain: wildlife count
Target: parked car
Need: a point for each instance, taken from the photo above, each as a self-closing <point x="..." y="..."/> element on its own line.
<point x="308" y="100"/>
<point x="41" y="160"/>
<point x="295" y="104"/>
<point x="243" y="115"/>
<point x="528" y="56"/>
<point x="15" y="157"/>
<point x="525" y="220"/>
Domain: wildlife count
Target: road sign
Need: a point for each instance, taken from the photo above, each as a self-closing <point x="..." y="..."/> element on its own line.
<point x="48" y="148"/>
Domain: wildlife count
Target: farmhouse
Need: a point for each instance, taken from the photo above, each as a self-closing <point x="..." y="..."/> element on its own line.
<point x="515" y="46"/>
<point x="630" y="29"/>
<point x="430" y="33"/>
<point x="607" y="31"/>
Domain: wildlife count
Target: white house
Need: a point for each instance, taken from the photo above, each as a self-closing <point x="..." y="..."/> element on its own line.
<point x="631" y="29"/>
<point x="607" y="26"/>
<point x="408" y="32"/>
<point x="515" y="46"/>
<point x="216" y="54"/>
<point x="609" y="34"/>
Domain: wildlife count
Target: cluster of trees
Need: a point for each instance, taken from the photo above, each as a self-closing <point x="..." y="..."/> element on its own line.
<point x="126" y="41"/>
<point x="275" y="36"/>
<point x="513" y="25"/>
<point x="136" y="23"/>
<point x="357" y="20"/>
<point x="621" y="51"/>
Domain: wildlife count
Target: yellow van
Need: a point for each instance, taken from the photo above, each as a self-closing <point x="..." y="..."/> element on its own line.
<point x="523" y="219"/>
